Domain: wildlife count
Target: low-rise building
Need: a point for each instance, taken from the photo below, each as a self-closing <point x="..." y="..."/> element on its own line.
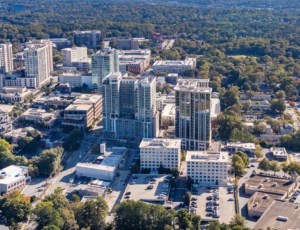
<point x="168" y="116"/>
<point x="14" y="94"/>
<point x="39" y="116"/>
<point x="113" y="159"/>
<point x="248" y="148"/>
<point x="80" y="116"/>
<point x="16" y="134"/>
<point x="155" y="153"/>
<point x="279" y="154"/>
<point x="280" y="215"/>
<point x="13" y="178"/>
<point x="270" y="139"/>
<point x="130" y="43"/>
<point x="259" y="202"/>
<point x="61" y="43"/>
<point x="134" y="61"/>
<point x="84" y="111"/>
<point x="170" y="66"/>
<point x="270" y="184"/>
<point x="207" y="168"/>
<point x="286" y="129"/>
<point x="76" y="79"/>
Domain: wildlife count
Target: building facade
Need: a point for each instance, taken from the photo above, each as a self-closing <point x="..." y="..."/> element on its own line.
<point x="89" y="38"/>
<point x="207" y="168"/>
<point x="74" y="54"/>
<point x="155" y="153"/>
<point x="13" y="178"/>
<point x="6" y="58"/>
<point x="103" y="63"/>
<point x="170" y="66"/>
<point x="38" y="62"/>
<point x="76" y="79"/>
<point x="193" y="113"/>
<point x="129" y="107"/>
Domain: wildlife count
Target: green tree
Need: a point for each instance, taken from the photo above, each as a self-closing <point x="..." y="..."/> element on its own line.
<point x="238" y="165"/>
<point x="274" y="166"/>
<point x="72" y="142"/>
<point x="231" y="97"/>
<point x="15" y="208"/>
<point x="264" y="165"/>
<point x="244" y="157"/>
<point x="46" y="215"/>
<point x="48" y="162"/>
<point x="241" y="135"/>
<point x="278" y="106"/>
<point x="93" y="214"/>
<point x="140" y="216"/>
<point x="237" y="220"/>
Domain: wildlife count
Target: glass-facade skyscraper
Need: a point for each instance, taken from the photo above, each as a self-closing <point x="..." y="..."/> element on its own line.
<point x="193" y="113"/>
<point x="104" y="62"/>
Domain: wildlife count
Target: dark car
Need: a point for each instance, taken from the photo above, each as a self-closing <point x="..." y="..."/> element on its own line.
<point x="209" y="198"/>
<point x="128" y="193"/>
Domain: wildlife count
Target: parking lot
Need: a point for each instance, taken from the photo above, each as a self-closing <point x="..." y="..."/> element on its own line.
<point x="147" y="188"/>
<point x="214" y="204"/>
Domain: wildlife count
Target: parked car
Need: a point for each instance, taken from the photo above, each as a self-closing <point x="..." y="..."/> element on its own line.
<point x="209" y="198"/>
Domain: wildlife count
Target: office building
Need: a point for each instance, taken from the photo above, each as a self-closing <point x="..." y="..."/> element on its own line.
<point x="155" y="153"/>
<point x="61" y="43"/>
<point x="207" y="168"/>
<point x="178" y="66"/>
<point x="74" y="54"/>
<point x="248" y="148"/>
<point x="134" y="61"/>
<point x="83" y="112"/>
<point x="193" y="113"/>
<point x="131" y="43"/>
<point x="106" y="170"/>
<point x="129" y="107"/>
<point x="6" y="58"/>
<point x="13" y="178"/>
<point x="19" y="61"/>
<point x="279" y="154"/>
<point x="104" y="62"/>
<point x="76" y="79"/>
<point x="280" y="215"/>
<point x="89" y="38"/>
<point x="38" y="63"/>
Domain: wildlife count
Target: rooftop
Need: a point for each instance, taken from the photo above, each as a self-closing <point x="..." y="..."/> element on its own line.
<point x="12" y="173"/>
<point x="276" y="151"/>
<point x="160" y="143"/>
<point x="280" y="215"/>
<point x="241" y="145"/>
<point x="260" y="201"/>
<point x="187" y="61"/>
<point x="193" y="85"/>
<point x="205" y="156"/>
<point x="79" y="107"/>
<point x="87" y="98"/>
<point x="169" y="110"/>
<point x="275" y="185"/>
<point x="96" y="166"/>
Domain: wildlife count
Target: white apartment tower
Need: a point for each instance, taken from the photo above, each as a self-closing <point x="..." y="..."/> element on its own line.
<point x="74" y="54"/>
<point x="160" y="152"/>
<point x="38" y="62"/>
<point x="207" y="168"/>
<point x="6" y="58"/>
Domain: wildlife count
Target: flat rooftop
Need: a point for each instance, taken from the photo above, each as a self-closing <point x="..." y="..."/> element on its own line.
<point x="96" y="166"/>
<point x="276" y="151"/>
<point x="139" y="191"/>
<point x="260" y="201"/>
<point x="280" y="215"/>
<point x="157" y="143"/>
<point x="169" y="110"/>
<point x="79" y="107"/>
<point x="265" y="184"/>
<point x="187" y="61"/>
<point x="241" y="145"/>
<point x="193" y="85"/>
<point x="204" y="156"/>
<point x="6" y="108"/>
<point x="12" y="173"/>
